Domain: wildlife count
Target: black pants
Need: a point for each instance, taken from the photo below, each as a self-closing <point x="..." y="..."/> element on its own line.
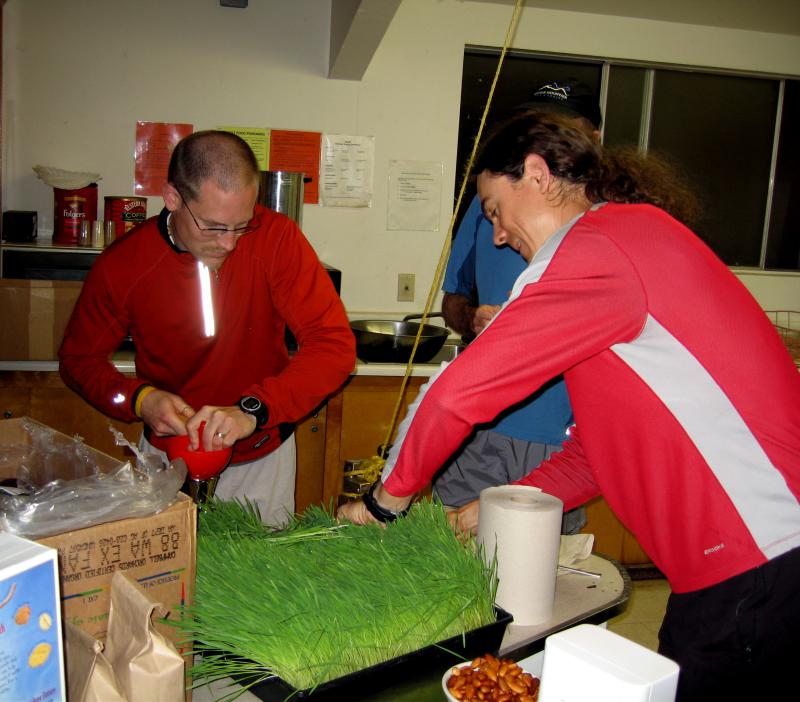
<point x="738" y="639"/>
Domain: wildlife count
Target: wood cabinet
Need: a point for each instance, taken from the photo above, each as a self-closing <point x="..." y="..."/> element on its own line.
<point x="43" y="396"/>
<point x="611" y="538"/>
<point x="358" y="418"/>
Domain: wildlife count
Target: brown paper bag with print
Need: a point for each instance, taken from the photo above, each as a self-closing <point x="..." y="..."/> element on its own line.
<point x="90" y="677"/>
<point x="147" y="664"/>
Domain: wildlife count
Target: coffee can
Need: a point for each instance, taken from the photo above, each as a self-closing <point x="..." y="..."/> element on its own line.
<point x="126" y="210"/>
<point x="71" y="209"/>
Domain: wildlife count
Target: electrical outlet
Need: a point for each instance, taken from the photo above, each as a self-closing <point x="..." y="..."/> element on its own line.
<point x="405" y="287"/>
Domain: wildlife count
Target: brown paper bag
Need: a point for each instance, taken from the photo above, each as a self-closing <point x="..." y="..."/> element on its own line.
<point x="147" y="664"/>
<point x="90" y="677"/>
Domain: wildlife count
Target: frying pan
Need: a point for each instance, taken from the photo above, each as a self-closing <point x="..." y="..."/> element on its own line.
<point x="387" y="341"/>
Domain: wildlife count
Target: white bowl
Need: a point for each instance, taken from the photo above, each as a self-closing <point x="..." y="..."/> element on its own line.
<point x="532" y="665"/>
<point x="446" y="677"/>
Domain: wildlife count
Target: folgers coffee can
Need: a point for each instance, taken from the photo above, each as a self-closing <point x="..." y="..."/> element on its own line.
<point x="126" y="211"/>
<point x="71" y="209"/>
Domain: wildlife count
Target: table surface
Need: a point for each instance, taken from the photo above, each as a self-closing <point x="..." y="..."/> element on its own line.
<point x="580" y="599"/>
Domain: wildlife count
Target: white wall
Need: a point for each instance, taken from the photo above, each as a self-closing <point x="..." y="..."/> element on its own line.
<point x="78" y="74"/>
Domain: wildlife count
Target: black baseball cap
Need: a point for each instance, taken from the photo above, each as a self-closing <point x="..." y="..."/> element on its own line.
<point x="569" y="96"/>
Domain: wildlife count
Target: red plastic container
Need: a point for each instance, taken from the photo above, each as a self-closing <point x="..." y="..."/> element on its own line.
<point x="200" y="464"/>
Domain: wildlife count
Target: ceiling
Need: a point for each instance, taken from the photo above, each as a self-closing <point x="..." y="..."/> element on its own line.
<point x="774" y="16"/>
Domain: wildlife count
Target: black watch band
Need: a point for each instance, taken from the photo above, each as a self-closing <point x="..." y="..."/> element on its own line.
<point x="380" y="513"/>
<point x="252" y="405"/>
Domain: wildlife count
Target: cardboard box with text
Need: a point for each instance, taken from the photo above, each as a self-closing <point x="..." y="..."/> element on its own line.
<point x="157" y="550"/>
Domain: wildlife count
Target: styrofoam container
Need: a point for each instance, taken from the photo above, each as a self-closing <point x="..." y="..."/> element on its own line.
<point x="31" y="655"/>
<point x="588" y="662"/>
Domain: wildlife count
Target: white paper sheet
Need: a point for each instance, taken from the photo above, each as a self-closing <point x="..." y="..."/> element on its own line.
<point x="415" y="193"/>
<point x="346" y="168"/>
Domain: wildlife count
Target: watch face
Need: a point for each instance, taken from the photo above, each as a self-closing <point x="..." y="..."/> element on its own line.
<point x="250" y="404"/>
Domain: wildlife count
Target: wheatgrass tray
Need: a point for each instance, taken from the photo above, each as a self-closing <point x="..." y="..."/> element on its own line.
<point x="334" y="610"/>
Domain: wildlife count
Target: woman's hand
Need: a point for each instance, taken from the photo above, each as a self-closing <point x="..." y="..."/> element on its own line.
<point x="358" y="513"/>
<point x="464" y="520"/>
<point x="355" y="511"/>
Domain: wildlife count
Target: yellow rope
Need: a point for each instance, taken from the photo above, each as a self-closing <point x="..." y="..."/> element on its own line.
<point x="371" y="468"/>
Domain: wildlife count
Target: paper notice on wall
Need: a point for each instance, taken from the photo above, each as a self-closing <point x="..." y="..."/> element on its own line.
<point x="154" y="144"/>
<point x="415" y="190"/>
<point x="297" y="152"/>
<point x="347" y="165"/>
<point x="258" y="139"/>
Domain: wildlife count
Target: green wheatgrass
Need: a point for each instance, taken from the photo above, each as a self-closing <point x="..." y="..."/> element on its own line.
<point x="319" y="600"/>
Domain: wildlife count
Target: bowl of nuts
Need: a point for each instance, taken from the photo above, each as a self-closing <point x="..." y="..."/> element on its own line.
<point x="491" y="679"/>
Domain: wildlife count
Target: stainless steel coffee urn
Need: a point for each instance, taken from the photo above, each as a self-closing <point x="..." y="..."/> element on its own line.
<point x="282" y="191"/>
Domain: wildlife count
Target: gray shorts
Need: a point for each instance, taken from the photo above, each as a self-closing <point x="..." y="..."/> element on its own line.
<point x="490" y="459"/>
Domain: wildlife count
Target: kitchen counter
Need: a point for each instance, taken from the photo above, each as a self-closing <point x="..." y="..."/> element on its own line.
<point x="125" y="363"/>
<point x="579" y="600"/>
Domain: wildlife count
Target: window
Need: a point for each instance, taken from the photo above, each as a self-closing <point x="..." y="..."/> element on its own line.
<point x="731" y="135"/>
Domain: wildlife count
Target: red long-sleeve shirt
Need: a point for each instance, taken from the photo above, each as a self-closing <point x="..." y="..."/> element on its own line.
<point x="686" y="402"/>
<point x="145" y="286"/>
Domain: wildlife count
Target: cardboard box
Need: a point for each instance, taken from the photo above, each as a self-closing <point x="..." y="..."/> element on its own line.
<point x="31" y="649"/>
<point x="157" y="550"/>
<point x="33" y="316"/>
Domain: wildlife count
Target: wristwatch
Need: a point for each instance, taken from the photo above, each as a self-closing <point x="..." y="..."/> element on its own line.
<point x="382" y="514"/>
<point x="250" y="404"/>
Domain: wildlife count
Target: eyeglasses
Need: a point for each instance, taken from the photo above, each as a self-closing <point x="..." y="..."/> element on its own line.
<point x="250" y="227"/>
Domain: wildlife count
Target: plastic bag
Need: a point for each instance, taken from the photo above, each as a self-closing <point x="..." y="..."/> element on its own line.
<point x="64" y="489"/>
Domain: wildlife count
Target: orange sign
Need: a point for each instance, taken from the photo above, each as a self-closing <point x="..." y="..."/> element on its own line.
<point x="154" y="144"/>
<point x="297" y="152"/>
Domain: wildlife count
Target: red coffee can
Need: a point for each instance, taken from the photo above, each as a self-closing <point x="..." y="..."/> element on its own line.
<point x="71" y="208"/>
<point x="126" y="210"/>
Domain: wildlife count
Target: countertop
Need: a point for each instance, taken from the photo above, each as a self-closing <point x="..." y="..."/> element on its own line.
<point x="579" y="600"/>
<point x="125" y="363"/>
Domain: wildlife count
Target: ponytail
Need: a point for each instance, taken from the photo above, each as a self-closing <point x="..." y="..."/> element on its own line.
<point x="626" y="175"/>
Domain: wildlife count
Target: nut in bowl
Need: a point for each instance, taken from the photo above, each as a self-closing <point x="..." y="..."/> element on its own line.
<point x="490" y="679"/>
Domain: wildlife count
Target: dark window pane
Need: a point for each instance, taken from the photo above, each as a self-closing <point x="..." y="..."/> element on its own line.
<point x="783" y="243"/>
<point x="624" y="104"/>
<point x="521" y="75"/>
<point x="720" y="130"/>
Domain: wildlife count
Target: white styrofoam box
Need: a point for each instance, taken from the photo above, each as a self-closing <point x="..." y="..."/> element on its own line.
<point x="31" y="654"/>
<point x="588" y="662"/>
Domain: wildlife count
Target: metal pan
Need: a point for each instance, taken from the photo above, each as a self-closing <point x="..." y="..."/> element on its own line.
<point x="386" y="341"/>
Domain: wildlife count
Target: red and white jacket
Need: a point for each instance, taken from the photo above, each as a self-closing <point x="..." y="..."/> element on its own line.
<point x="142" y="284"/>
<point x="686" y="402"/>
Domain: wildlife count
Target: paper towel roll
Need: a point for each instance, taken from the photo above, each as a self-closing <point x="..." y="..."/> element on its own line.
<point x="523" y="525"/>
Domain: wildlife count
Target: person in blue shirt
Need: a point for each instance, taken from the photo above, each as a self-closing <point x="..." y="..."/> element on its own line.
<point x="478" y="280"/>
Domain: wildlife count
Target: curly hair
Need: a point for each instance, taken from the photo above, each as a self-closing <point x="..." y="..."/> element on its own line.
<point x="617" y="174"/>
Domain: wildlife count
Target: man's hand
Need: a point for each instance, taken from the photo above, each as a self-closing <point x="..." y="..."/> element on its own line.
<point x="169" y="415"/>
<point x="464" y="520"/>
<point x="462" y="317"/>
<point x="483" y="315"/>
<point x="165" y="413"/>
<point x="224" y="427"/>
<point x="458" y="313"/>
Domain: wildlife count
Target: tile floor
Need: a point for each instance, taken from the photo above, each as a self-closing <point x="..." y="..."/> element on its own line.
<point x="641" y="621"/>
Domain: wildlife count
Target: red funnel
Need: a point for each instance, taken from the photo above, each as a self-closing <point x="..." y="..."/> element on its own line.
<point x="201" y="464"/>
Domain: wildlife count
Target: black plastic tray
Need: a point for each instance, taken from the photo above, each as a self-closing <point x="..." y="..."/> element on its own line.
<point x="486" y="639"/>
